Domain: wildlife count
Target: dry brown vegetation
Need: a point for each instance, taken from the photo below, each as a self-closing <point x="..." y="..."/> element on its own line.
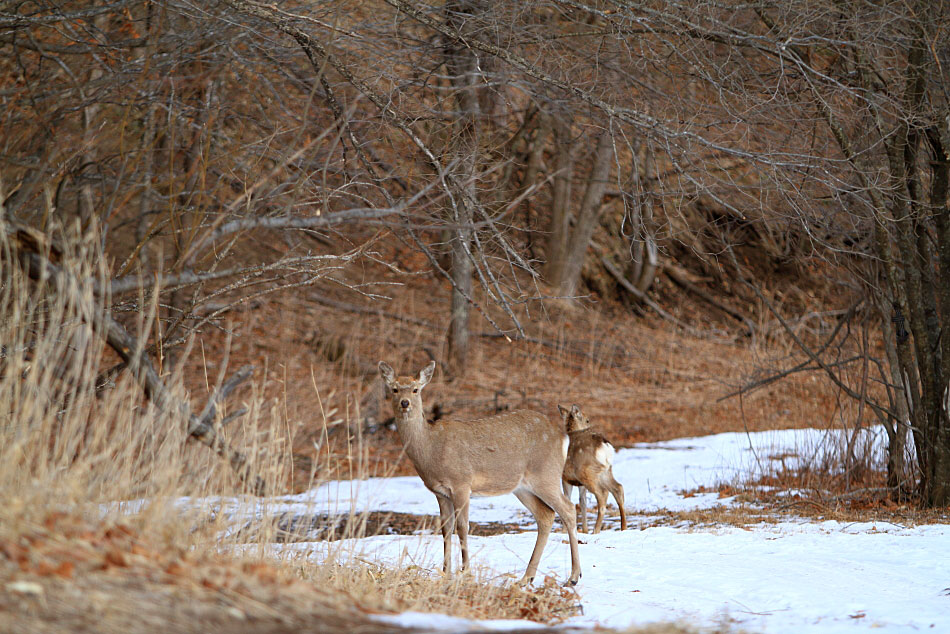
<point x="77" y="446"/>
<point x="625" y="209"/>
<point x="67" y="573"/>
<point x="641" y="380"/>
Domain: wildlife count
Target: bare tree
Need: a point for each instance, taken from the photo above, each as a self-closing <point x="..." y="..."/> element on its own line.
<point x="567" y="252"/>
<point x="464" y="151"/>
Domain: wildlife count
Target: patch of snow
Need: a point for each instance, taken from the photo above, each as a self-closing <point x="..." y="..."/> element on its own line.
<point x="796" y="575"/>
<point x="793" y="576"/>
<point x="450" y="623"/>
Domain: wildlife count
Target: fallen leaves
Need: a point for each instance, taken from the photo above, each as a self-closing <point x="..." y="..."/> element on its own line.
<point x="63" y="570"/>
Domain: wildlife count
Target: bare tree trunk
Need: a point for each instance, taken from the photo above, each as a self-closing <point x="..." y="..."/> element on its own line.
<point x="939" y="139"/>
<point x="464" y="74"/>
<point x="560" y="231"/>
<point x="897" y="428"/>
<point x="144" y="225"/>
<point x="535" y="151"/>
<point x="532" y="170"/>
<point x="645" y="256"/>
<point x="587" y="216"/>
<point x="90" y="114"/>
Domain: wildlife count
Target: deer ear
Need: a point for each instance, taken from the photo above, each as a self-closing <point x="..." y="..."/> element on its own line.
<point x="425" y="375"/>
<point x="575" y="411"/>
<point x="387" y="373"/>
<point x="563" y="410"/>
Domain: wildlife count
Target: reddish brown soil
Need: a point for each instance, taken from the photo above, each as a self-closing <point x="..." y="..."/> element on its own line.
<point x="639" y="378"/>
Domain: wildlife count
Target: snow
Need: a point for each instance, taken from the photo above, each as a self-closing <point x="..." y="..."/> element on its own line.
<point x="791" y="576"/>
<point x="426" y="620"/>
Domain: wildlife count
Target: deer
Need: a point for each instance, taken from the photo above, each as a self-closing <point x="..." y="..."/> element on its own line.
<point x="521" y="452"/>
<point x="589" y="466"/>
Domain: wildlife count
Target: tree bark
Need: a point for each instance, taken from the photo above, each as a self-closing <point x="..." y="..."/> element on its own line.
<point x="645" y="257"/>
<point x="560" y="231"/>
<point x="896" y="428"/>
<point x="587" y="216"/>
<point x="465" y="77"/>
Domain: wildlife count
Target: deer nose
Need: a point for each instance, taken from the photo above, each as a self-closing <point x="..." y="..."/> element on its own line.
<point x="404" y="403"/>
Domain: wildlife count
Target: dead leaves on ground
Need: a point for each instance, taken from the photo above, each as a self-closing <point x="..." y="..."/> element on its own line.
<point x="67" y="547"/>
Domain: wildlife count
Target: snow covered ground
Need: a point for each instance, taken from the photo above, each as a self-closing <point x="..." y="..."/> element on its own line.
<point x="792" y="576"/>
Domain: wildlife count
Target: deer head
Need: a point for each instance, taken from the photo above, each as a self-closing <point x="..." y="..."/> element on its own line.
<point x="574" y="419"/>
<point x="405" y="392"/>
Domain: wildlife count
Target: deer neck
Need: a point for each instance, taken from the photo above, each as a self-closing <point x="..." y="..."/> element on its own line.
<point x="415" y="435"/>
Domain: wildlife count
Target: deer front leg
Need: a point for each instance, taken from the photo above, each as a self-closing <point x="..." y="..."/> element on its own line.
<point x="460" y="501"/>
<point x="601" y="496"/>
<point x="565" y="510"/>
<point x="447" y="524"/>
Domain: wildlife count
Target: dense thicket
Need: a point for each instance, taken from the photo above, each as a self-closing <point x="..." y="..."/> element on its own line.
<point x="514" y="143"/>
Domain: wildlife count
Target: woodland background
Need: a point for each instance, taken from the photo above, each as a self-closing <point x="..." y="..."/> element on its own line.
<point x="688" y="217"/>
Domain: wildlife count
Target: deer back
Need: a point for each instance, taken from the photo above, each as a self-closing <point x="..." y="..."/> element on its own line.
<point x="495" y="454"/>
<point x="589" y="454"/>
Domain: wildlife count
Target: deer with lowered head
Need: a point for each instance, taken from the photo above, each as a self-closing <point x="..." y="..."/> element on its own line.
<point x="589" y="466"/>
<point x="520" y="452"/>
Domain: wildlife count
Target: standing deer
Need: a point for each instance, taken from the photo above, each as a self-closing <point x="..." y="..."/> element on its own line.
<point x="520" y="452"/>
<point x="589" y="466"/>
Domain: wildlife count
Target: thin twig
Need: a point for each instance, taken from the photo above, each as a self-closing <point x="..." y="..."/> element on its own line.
<point x="207" y="415"/>
<point x="814" y="357"/>
<point x="801" y="367"/>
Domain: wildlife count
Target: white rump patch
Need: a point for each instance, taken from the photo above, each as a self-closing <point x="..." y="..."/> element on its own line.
<point x="605" y="454"/>
<point x="565" y="442"/>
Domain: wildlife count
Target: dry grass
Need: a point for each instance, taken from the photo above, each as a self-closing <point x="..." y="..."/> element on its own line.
<point x="72" y="574"/>
<point x="842" y="477"/>
<point x="471" y="595"/>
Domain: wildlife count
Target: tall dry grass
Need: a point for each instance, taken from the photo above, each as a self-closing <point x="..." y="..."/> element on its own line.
<point x="67" y="440"/>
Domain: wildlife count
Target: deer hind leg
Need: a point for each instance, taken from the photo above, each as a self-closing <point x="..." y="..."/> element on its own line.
<point x="601" y="494"/>
<point x="565" y="510"/>
<point x="460" y="501"/>
<point x="568" y="488"/>
<point x="617" y="490"/>
<point x="544" y="516"/>
<point x="582" y="501"/>
<point x="447" y="525"/>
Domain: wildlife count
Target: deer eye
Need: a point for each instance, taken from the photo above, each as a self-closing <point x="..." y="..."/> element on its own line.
<point x="415" y="390"/>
